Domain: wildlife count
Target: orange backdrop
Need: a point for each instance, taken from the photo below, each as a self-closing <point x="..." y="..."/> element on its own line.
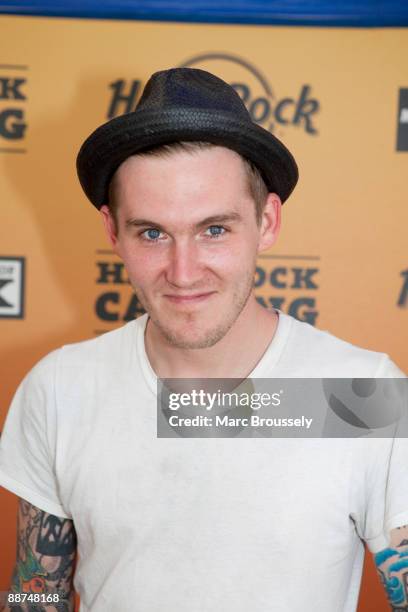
<point x="332" y="95"/>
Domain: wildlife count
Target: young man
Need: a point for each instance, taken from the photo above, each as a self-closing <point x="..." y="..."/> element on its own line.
<point x="190" y="191"/>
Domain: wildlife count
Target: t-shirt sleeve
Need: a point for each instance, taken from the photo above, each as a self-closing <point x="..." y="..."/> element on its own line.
<point x="387" y="499"/>
<point x="387" y="478"/>
<point x="28" y="440"/>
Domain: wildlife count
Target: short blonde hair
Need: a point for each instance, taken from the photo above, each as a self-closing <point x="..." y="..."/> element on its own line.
<point x="256" y="184"/>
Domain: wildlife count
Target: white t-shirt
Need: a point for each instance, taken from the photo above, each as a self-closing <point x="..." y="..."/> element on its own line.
<point x="199" y="524"/>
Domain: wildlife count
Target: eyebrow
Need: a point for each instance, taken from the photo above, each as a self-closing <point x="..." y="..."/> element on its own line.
<point x="232" y="217"/>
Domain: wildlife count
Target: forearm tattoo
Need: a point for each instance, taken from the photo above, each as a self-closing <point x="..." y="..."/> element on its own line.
<point x="46" y="552"/>
<point x="392" y="566"/>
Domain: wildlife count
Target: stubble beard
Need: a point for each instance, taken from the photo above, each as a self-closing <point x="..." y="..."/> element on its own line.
<point x="175" y="339"/>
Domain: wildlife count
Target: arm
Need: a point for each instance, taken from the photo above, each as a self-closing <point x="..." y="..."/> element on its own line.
<point x="392" y="566"/>
<point x="46" y="552"/>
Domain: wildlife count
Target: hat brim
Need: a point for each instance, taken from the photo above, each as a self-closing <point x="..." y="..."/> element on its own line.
<point x="110" y="144"/>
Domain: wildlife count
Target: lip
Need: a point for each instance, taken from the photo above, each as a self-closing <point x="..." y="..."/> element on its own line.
<point x="189" y="299"/>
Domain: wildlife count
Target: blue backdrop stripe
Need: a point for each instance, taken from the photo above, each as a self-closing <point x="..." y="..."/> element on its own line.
<point x="364" y="13"/>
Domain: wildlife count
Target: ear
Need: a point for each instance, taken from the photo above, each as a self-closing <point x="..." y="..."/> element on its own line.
<point x="110" y="226"/>
<point x="271" y="222"/>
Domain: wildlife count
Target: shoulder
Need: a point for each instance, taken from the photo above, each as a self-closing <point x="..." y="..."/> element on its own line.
<point x="99" y="361"/>
<point x="109" y="345"/>
<point x="78" y="361"/>
<point x="318" y="353"/>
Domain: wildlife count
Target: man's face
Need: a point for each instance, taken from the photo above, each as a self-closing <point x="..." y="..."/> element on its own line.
<point x="188" y="236"/>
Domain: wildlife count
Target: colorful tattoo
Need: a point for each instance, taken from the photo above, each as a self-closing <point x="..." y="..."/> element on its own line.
<point x="46" y="549"/>
<point x="392" y="566"/>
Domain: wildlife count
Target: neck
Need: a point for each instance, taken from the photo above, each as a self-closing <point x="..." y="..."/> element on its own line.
<point x="234" y="356"/>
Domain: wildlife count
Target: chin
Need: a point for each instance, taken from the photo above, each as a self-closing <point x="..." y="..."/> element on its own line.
<point x="193" y="339"/>
<point x="197" y="328"/>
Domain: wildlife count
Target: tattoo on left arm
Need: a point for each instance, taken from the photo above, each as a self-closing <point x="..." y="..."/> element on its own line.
<point x="46" y="553"/>
<point x="392" y="566"/>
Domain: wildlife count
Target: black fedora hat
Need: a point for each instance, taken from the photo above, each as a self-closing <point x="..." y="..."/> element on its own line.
<point x="185" y="104"/>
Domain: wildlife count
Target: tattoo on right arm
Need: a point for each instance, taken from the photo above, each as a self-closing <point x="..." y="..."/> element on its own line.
<point x="392" y="566"/>
<point x="46" y="554"/>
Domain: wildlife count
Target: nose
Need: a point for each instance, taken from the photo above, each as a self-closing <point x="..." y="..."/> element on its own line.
<point x="184" y="269"/>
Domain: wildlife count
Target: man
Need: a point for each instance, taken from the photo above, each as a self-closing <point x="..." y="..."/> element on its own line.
<point x="194" y="524"/>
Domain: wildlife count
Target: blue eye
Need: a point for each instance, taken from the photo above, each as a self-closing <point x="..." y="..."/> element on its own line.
<point x="151" y="234"/>
<point x="216" y="230"/>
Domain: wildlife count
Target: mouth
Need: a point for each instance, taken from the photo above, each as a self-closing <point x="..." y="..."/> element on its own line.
<point x="189" y="299"/>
